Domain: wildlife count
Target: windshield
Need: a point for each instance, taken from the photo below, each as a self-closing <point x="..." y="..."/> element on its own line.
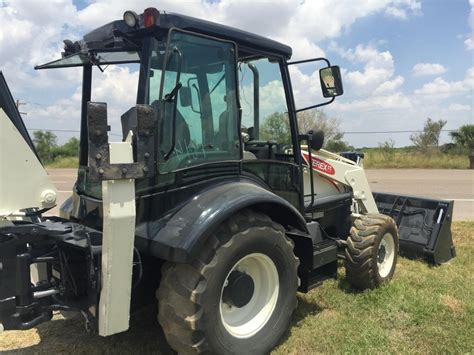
<point x="197" y="100"/>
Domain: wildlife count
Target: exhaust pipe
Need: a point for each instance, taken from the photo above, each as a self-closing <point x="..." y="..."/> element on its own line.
<point x="424" y="225"/>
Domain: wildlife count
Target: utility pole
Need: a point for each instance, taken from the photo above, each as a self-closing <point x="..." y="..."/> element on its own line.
<point x="18" y="104"/>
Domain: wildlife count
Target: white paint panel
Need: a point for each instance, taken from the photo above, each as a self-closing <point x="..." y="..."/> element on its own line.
<point x="342" y="171"/>
<point x="23" y="181"/>
<point x="117" y="247"/>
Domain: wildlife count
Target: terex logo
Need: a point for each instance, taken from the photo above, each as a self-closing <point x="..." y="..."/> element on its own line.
<point x="320" y="165"/>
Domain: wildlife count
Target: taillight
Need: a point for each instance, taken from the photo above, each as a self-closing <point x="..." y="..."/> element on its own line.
<point x="150" y="17"/>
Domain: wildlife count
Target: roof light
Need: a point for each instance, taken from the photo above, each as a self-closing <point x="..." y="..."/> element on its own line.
<point x="130" y="18"/>
<point x="150" y="17"/>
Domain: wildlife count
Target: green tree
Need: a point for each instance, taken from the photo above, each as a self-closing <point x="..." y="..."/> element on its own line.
<point x="45" y="142"/>
<point x="277" y="128"/>
<point x="68" y="149"/>
<point x="319" y="120"/>
<point x="387" y="148"/>
<point x="464" y="138"/>
<point x="429" y="138"/>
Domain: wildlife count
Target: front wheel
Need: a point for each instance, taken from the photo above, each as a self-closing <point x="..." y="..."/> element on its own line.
<point x="238" y="297"/>
<point x="371" y="251"/>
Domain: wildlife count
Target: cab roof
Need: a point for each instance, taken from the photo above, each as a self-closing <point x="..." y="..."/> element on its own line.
<point x="242" y="38"/>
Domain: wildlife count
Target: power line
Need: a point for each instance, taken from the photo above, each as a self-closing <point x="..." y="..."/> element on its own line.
<point x="388" y="132"/>
<point x="355" y="132"/>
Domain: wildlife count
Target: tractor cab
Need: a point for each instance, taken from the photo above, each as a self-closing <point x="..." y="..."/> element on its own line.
<point x="222" y="100"/>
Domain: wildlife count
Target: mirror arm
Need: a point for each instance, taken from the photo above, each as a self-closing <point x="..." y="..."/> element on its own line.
<point x="314" y="106"/>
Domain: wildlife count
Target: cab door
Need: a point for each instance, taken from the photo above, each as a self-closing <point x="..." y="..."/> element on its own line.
<point x="267" y="130"/>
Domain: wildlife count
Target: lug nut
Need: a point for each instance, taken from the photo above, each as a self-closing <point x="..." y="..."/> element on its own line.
<point x="101" y="171"/>
<point x="124" y="171"/>
<point x="98" y="156"/>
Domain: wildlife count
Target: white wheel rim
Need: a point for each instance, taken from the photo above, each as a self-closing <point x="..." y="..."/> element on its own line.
<point x="386" y="255"/>
<point x="246" y="321"/>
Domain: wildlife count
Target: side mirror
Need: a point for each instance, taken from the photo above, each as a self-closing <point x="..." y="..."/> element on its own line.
<point x="315" y="139"/>
<point x="331" y="82"/>
<point x="185" y="96"/>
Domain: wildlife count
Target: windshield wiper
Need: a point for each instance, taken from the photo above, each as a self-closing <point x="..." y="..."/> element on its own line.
<point x="170" y="98"/>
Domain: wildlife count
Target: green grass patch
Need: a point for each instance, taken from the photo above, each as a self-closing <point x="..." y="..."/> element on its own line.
<point x="63" y="163"/>
<point x="424" y="310"/>
<point x="377" y="159"/>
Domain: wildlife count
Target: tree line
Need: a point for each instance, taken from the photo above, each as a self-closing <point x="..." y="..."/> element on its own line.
<point x="48" y="150"/>
<point x="276" y="127"/>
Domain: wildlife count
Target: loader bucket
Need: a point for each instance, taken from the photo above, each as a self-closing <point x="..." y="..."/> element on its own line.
<point x="424" y="225"/>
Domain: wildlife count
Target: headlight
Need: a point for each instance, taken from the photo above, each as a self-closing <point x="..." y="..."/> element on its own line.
<point x="130" y="18"/>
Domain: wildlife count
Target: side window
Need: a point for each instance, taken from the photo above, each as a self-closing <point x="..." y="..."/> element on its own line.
<point x="264" y="112"/>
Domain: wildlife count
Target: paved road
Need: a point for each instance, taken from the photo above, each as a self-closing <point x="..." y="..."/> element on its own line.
<point x="455" y="185"/>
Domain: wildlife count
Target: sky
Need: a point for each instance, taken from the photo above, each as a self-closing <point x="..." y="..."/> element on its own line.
<point x="402" y="61"/>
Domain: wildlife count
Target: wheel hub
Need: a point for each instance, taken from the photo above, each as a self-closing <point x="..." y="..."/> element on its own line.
<point x="386" y="255"/>
<point x="249" y="295"/>
<point x="239" y="290"/>
<point x="381" y="254"/>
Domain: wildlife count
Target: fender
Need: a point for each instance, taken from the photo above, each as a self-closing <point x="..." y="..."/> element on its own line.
<point x="181" y="236"/>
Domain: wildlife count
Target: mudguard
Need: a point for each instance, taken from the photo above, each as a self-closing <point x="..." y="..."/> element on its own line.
<point x="181" y="236"/>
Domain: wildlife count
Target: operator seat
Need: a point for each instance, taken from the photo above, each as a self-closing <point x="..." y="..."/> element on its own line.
<point x="183" y="135"/>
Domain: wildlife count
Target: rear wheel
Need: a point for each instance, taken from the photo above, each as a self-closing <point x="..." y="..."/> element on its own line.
<point x="238" y="297"/>
<point x="371" y="251"/>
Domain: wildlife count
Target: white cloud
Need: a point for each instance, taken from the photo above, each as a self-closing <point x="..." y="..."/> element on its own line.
<point x="396" y="101"/>
<point x="421" y="69"/>
<point x="459" y="107"/>
<point x="402" y="9"/>
<point x="440" y="88"/>
<point x="377" y="75"/>
<point x="390" y="86"/>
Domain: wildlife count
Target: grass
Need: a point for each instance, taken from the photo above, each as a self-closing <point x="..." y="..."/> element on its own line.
<point x="376" y="159"/>
<point x="424" y="309"/>
<point x="63" y="163"/>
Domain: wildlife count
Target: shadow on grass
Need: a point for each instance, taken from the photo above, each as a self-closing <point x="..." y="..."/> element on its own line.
<point x="68" y="335"/>
<point x="346" y="287"/>
<point x="304" y="310"/>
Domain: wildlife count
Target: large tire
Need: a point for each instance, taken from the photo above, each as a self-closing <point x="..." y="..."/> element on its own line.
<point x="371" y="251"/>
<point x="199" y="304"/>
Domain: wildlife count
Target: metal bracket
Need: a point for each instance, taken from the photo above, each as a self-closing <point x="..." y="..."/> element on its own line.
<point x="100" y="167"/>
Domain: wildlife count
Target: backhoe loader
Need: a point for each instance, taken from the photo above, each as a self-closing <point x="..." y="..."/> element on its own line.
<point x="204" y="207"/>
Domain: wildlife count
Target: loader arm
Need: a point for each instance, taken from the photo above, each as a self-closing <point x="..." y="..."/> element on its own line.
<point x="345" y="172"/>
